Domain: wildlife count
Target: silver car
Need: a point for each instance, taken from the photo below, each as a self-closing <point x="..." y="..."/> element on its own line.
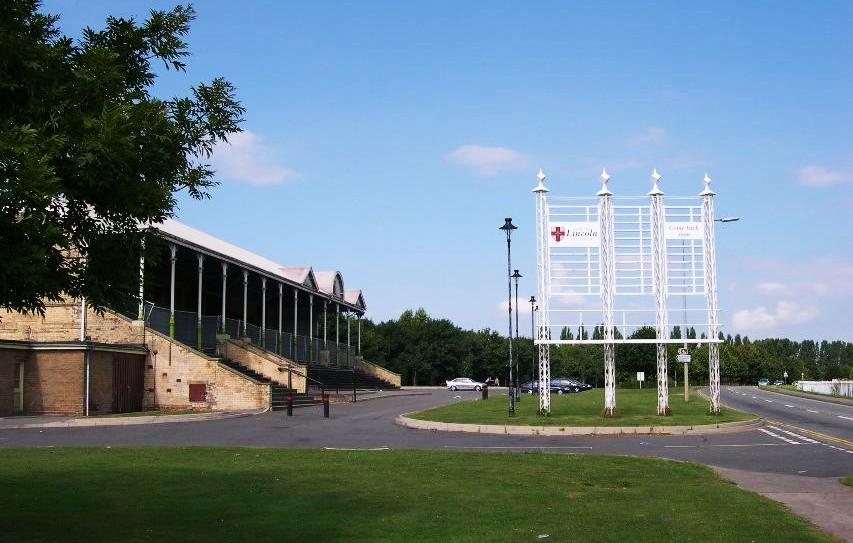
<point x="464" y="383"/>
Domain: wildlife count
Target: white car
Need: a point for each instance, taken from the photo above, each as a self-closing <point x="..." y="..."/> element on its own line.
<point x="464" y="383"/>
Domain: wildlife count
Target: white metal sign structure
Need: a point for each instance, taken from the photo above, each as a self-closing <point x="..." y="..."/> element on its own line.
<point x="611" y="263"/>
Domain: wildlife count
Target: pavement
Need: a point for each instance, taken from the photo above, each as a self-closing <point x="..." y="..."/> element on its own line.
<point x="805" y="442"/>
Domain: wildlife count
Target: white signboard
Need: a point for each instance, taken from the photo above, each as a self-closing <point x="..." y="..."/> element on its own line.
<point x="683" y="230"/>
<point x="573" y="234"/>
<point x="684" y="358"/>
<point x="641" y="376"/>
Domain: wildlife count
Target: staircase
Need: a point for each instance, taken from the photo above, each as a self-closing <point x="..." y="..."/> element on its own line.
<point x="344" y="379"/>
<point x="279" y="391"/>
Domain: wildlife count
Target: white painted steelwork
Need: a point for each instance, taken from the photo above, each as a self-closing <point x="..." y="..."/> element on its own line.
<point x="648" y="249"/>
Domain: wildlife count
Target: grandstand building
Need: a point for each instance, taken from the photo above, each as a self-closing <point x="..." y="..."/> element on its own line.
<point x="217" y="327"/>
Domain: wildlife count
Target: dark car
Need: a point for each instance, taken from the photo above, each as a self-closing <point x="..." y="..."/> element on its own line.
<point x="583" y="386"/>
<point x="564" y="386"/>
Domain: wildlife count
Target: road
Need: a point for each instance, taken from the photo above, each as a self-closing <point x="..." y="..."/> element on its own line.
<point x="826" y="418"/>
<point x="371" y="425"/>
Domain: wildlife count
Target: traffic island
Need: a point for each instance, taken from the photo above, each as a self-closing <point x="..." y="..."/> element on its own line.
<point x="581" y="414"/>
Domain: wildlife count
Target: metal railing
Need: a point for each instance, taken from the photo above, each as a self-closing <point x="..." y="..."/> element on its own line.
<point x="202" y="335"/>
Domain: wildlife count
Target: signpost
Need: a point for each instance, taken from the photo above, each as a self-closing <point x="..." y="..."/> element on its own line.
<point x="684" y="357"/>
<point x="641" y="376"/>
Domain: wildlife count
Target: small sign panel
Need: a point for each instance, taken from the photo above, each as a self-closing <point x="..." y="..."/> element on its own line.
<point x="683" y="350"/>
<point x="573" y="234"/>
<point x="684" y="358"/>
<point x="683" y="230"/>
<point x="641" y="376"/>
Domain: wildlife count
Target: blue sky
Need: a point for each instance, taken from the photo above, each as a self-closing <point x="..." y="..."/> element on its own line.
<point x="388" y="140"/>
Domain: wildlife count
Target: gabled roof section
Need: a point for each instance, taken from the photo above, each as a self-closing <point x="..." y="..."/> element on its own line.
<point x="355" y="298"/>
<point x="303" y="275"/>
<point x="330" y="283"/>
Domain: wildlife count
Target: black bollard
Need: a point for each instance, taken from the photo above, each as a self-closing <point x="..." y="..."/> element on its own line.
<point x="290" y="405"/>
<point x="325" y="405"/>
<point x="485" y="393"/>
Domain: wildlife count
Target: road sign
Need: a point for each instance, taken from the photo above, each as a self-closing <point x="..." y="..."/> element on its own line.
<point x="683" y="350"/>
<point x="684" y="358"/>
<point x="785" y="375"/>
<point x="641" y="376"/>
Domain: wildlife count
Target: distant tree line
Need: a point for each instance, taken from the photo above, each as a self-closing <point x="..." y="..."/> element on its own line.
<point x="427" y="351"/>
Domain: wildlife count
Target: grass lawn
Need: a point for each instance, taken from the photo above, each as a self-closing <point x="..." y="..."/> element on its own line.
<point x="848" y="480"/>
<point x="242" y="494"/>
<point x="634" y="408"/>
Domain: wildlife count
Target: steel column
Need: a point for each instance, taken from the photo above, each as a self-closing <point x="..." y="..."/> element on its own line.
<point x="280" y="295"/>
<point x="607" y="263"/>
<point x="709" y="252"/>
<point x="224" y="292"/>
<point x="659" y="280"/>
<point x="543" y="269"/>
<point x="263" y="312"/>
<point x="359" y="335"/>
<point x="295" y="323"/>
<point x="310" y="328"/>
<point x="198" y="308"/>
<point x="174" y="258"/>
<point x="141" y="314"/>
<point x="245" y="302"/>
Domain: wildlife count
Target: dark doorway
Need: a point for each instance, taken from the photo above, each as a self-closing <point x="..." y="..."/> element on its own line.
<point x="128" y="382"/>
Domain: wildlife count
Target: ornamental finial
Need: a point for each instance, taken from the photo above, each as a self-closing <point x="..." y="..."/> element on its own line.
<point x="655" y="177"/>
<point x="605" y="191"/>
<point x="707" y="191"/>
<point x="540" y="186"/>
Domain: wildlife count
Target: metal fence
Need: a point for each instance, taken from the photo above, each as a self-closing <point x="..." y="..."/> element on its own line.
<point x="300" y="349"/>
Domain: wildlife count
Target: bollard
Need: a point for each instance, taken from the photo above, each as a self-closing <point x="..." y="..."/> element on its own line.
<point x="485" y="393"/>
<point x="325" y="405"/>
<point x="289" y="405"/>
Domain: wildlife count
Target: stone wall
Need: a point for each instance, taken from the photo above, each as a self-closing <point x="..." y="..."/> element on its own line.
<point x="8" y="379"/>
<point x="54" y="383"/>
<point x="268" y="364"/>
<point x="377" y="371"/>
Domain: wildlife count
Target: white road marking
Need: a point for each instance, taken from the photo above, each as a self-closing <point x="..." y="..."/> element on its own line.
<point x="812" y="411"/>
<point x="843" y="417"/>
<point x="512" y="447"/>
<point x="786" y="405"/>
<point x="355" y="449"/>
<point x="797" y="436"/>
<point x="769" y="401"/>
<point x="680" y="446"/>
<point x="777" y="436"/>
<point x="753" y="445"/>
<point x="754" y="398"/>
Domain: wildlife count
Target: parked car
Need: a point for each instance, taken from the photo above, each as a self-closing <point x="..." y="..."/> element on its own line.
<point x="763" y="382"/>
<point x="564" y="386"/>
<point x="778" y="382"/>
<point x="464" y="383"/>
<point x="530" y="387"/>
<point x="583" y="386"/>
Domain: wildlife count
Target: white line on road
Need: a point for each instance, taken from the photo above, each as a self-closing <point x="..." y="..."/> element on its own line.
<point x="797" y="436"/>
<point x="681" y="446"/>
<point x="512" y="447"/>
<point x="754" y="445"/>
<point x="787" y="405"/>
<point x="812" y="411"/>
<point x="353" y="449"/>
<point x="769" y="401"/>
<point x="843" y="417"/>
<point x="777" y="436"/>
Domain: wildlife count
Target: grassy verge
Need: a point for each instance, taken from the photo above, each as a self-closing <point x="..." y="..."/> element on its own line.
<point x="240" y="494"/>
<point x="634" y="408"/>
<point x="848" y="480"/>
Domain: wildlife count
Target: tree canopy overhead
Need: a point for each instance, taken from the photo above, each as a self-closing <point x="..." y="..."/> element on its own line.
<point x="87" y="152"/>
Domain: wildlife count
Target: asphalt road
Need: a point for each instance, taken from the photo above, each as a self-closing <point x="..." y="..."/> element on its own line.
<point x="371" y="425"/>
<point x="827" y="418"/>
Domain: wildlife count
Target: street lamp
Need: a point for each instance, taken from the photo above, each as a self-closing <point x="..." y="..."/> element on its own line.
<point x="533" y="308"/>
<point x="727" y="219"/>
<point x="515" y="275"/>
<point x="508" y="227"/>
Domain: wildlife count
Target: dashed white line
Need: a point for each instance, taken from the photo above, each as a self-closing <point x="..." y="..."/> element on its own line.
<point x="777" y="436"/>
<point x="769" y="401"/>
<point x="843" y="417"/>
<point x="812" y="411"/>
<point x="787" y="405"/>
<point x="797" y="436"/>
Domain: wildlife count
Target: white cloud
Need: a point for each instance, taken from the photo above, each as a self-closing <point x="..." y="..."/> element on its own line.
<point x="246" y="158"/>
<point x="762" y="319"/>
<point x="650" y="136"/>
<point x="769" y="287"/>
<point x="487" y="160"/>
<point x="818" y="176"/>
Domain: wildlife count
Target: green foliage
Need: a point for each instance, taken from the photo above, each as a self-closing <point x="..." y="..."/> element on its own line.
<point x="87" y="153"/>
<point x="427" y="351"/>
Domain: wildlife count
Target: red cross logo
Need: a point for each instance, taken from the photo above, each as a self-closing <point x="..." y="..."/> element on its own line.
<point x="558" y="234"/>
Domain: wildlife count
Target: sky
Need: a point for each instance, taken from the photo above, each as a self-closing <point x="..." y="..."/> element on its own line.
<point x="388" y="140"/>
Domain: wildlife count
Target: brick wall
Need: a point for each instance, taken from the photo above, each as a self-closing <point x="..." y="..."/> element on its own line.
<point x="53" y="383"/>
<point x="168" y="373"/>
<point x="266" y="363"/>
<point x="378" y="371"/>
<point x="101" y="382"/>
<point x="8" y="379"/>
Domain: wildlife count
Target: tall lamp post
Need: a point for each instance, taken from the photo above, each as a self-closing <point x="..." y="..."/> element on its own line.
<point x="516" y="276"/>
<point x="533" y="308"/>
<point x="508" y="227"/>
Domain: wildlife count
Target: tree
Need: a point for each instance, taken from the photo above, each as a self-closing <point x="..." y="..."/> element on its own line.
<point x="87" y="153"/>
